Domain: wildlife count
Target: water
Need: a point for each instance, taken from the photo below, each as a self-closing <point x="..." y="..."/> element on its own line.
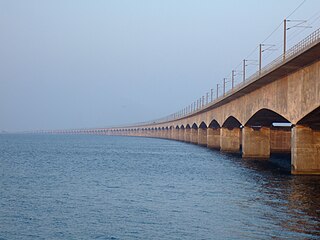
<point x="101" y="187"/>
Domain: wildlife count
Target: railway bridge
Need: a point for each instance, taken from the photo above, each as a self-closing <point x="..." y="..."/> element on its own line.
<point x="277" y="110"/>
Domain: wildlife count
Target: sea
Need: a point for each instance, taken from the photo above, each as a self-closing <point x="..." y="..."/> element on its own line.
<point x="117" y="187"/>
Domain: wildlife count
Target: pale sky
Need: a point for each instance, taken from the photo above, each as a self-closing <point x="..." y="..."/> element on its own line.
<point x="76" y="64"/>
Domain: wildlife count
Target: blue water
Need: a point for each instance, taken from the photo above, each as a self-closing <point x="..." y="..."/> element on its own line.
<point x="103" y="187"/>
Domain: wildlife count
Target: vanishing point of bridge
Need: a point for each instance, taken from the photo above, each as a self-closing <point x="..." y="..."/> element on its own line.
<point x="246" y="119"/>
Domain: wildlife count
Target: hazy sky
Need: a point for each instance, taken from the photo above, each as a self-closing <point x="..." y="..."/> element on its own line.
<point x="75" y="64"/>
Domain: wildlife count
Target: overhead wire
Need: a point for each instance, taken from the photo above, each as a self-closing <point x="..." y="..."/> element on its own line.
<point x="277" y="28"/>
<point x="294" y="35"/>
<point x="280" y="24"/>
<point x="296" y="8"/>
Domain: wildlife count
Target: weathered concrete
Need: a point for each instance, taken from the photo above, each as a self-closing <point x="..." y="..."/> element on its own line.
<point x="167" y="134"/>
<point x="174" y="134"/>
<point x="202" y="136"/>
<point x="280" y="140"/>
<point x="230" y="140"/>
<point x="256" y="143"/>
<point x="194" y="135"/>
<point x="305" y="153"/>
<point x="213" y="138"/>
<point x="187" y="135"/>
<point x="181" y="134"/>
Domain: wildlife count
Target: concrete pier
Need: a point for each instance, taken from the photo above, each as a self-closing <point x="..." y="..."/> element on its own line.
<point x="213" y="138"/>
<point x="230" y="140"/>
<point x="280" y="140"/>
<point x="194" y="135"/>
<point x="181" y="134"/>
<point x="202" y="136"/>
<point x="256" y="143"/>
<point x="187" y="135"/>
<point x="305" y="150"/>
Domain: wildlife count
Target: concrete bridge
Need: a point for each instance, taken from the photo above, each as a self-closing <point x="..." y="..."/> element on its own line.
<point x="248" y="118"/>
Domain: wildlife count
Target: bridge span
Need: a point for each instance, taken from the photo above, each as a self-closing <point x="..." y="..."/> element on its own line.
<point x="249" y="118"/>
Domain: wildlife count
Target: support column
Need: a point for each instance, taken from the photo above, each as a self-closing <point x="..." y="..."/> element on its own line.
<point x="163" y="133"/>
<point x="213" y="138"/>
<point x="280" y="140"/>
<point x="256" y="143"/>
<point x="181" y="134"/>
<point x="171" y="133"/>
<point x="305" y="150"/>
<point x="230" y="140"/>
<point x="187" y="135"/>
<point x="194" y="135"/>
<point x="202" y="136"/>
<point x="160" y="133"/>
<point x="175" y="134"/>
<point x="168" y="133"/>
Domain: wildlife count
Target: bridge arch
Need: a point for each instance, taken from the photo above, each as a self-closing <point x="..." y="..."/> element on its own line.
<point x="231" y="122"/>
<point x="194" y="126"/>
<point x="203" y="125"/>
<point x="265" y="117"/>
<point x="214" y="124"/>
<point x="312" y="119"/>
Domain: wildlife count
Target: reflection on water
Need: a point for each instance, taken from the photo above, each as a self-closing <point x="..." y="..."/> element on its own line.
<point x="100" y="187"/>
<point x="297" y="197"/>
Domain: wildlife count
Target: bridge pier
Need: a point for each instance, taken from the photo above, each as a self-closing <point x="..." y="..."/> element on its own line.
<point x="255" y="143"/>
<point x="181" y="134"/>
<point x="174" y="134"/>
<point x="213" y="138"/>
<point x="162" y="133"/>
<point x="194" y="135"/>
<point x="166" y="134"/>
<point x="280" y="140"/>
<point x="202" y="136"/>
<point x="187" y="135"/>
<point x="230" y="140"/>
<point x="305" y="150"/>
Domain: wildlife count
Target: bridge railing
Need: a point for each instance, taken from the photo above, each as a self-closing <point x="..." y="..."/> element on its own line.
<point x="294" y="51"/>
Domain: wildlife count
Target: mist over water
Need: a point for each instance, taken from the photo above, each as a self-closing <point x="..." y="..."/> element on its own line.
<point x="103" y="187"/>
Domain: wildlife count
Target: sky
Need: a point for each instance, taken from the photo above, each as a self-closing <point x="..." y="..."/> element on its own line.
<point x="90" y="64"/>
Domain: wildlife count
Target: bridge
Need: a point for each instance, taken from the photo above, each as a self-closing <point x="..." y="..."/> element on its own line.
<point x="276" y="110"/>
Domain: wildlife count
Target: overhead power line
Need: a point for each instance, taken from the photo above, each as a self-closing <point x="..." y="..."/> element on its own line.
<point x="296" y="8"/>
